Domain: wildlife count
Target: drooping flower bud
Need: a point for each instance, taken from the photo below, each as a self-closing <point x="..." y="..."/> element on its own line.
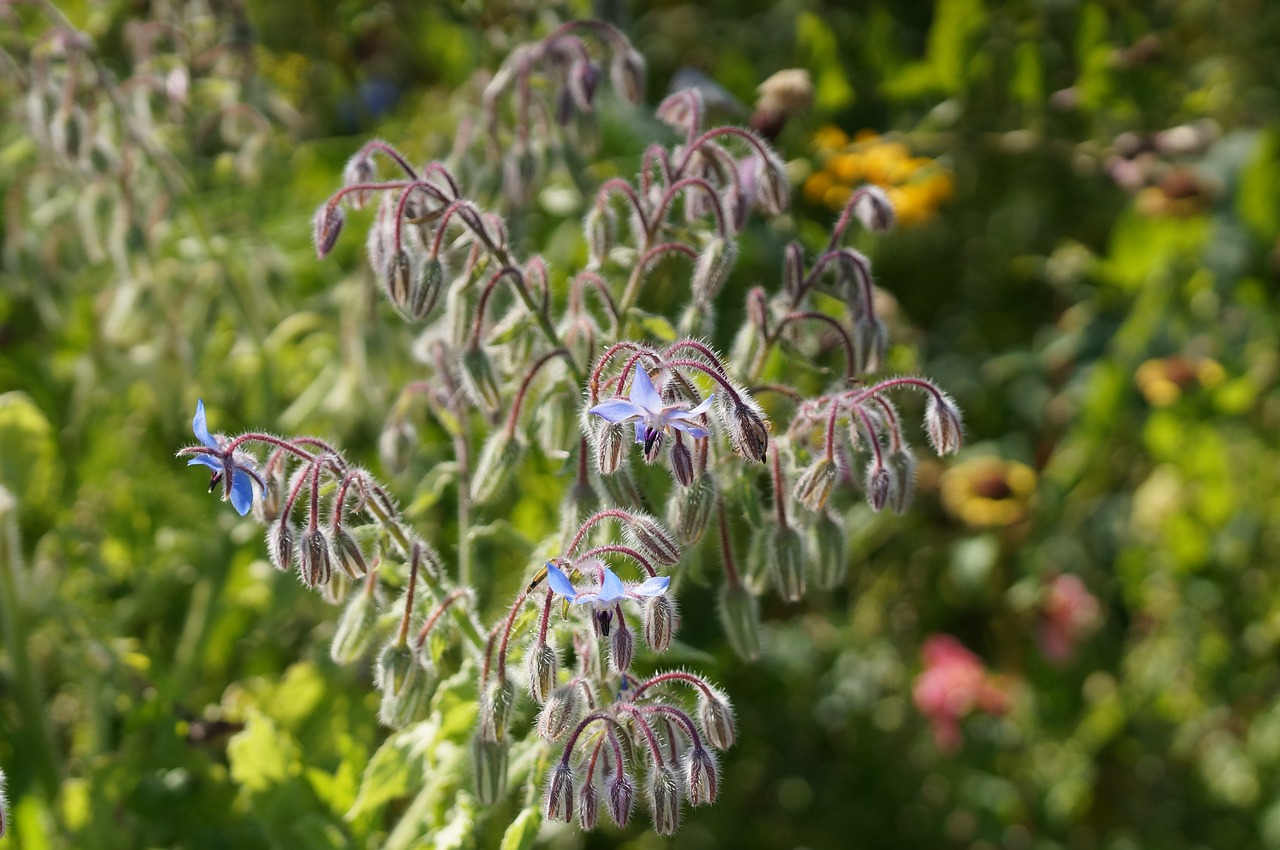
<point x="944" y="424"/>
<point x="314" y="566"/>
<point x="715" y="716"/>
<point x="559" y="712"/>
<point x="267" y="509"/>
<point x="661" y="619"/>
<point x="740" y="616"/>
<point x="397" y="670"/>
<point x="498" y="461"/>
<point x="344" y="549"/>
<point x="495" y="708"/>
<point x="745" y="423"/>
<point x="664" y="800"/>
<point x="620" y="797"/>
<point x="358" y="170"/>
<point x="396" y="278"/>
<point x="543" y="666"/>
<point x="476" y="372"/>
<point x="813" y="487"/>
<point x="681" y="461"/>
<point x="601" y="228"/>
<point x="874" y="209"/>
<point x="712" y="268"/>
<point x="588" y="806"/>
<point x="355" y="628"/>
<point x="328" y="224"/>
<point x="652" y="539"/>
<point x="627" y="74"/>
<point x="396" y="445"/>
<point x="702" y="775"/>
<point x="689" y="509"/>
<point x="621" y="488"/>
<point x="787" y="562"/>
<point x="583" y="79"/>
<point x="903" y="466"/>
<point x="280" y="544"/>
<point x="425" y="289"/>
<point x="559" y="796"/>
<point x="622" y="646"/>
<point x="827" y="552"/>
<point x="870" y="340"/>
<point x="774" y="192"/>
<point x="490" y="761"/>
<point x="609" y="441"/>
<point x="879" y="484"/>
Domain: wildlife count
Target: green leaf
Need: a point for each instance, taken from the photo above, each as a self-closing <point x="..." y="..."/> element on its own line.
<point x="817" y="42"/>
<point x="523" y="830"/>
<point x="1258" y="201"/>
<point x="261" y="755"/>
<point x="388" y="776"/>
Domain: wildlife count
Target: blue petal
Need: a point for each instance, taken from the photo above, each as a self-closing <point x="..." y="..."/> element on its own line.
<point x="642" y="431"/>
<point x="617" y="410"/>
<point x="655" y="586"/>
<point x="201" y="428"/>
<point x="206" y="460"/>
<point x="611" y="588"/>
<point x="691" y="430"/>
<point x="241" y="492"/>
<point x="642" y="391"/>
<point x="560" y="582"/>
<point x="702" y="407"/>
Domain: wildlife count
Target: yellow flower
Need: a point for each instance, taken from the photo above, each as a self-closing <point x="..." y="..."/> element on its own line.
<point x="988" y="491"/>
<point x="916" y="185"/>
<point x="1161" y="380"/>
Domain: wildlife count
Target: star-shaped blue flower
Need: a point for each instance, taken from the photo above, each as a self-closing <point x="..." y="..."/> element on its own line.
<point x="605" y="598"/>
<point x="652" y="417"/>
<point x="228" y="470"/>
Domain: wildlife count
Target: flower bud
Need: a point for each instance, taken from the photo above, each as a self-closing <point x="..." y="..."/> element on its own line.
<point x="583" y="80"/>
<point x="559" y="797"/>
<point x="682" y="111"/>
<point x="543" y="667"/>
<point x="397" y="670"/>
<point x="398" y="711"/>
<point x="943" y="424"/>
<point x="715" y="716"/>
<point x="664" y="800"/>
<point x="702" y="775"/>
<point x="495" y="708"/>
<point x="395" y="279"/>
<point x="396" y="445"/>
<point x="652" y="539"/>
<point x="498" y="461"/>
<point x="874" y="209"/>
<point x="377" y="244"/>
<point x="334" y="591"/>
<point x="601" y="227"/>
<point x="786" y="562"/>
<point x="588" y="806"/>
<point x="620" y="797"/>
<point x="328" y="224"/>
<point x="740" y="616"/>
<point x="712" y="268"/>
<point x="661" y="619"/>
<point x="870" y="340"/>
<point x="425" y="290"/>
<point x="627" y="74"/>
<point x="879" y="484"/>
<point x="559" y="712"/>
<point x="774" y="193"/>
<point x="314" y="567"/>
<point x="489" y="759"/>
<point x="280" y="544"/>
<point x="267" y="509"/>
<point x="903" y="466"/>
<point x="478" y="379"/>
<point x="359" y="169"/>
<point x="689" y="509"/>
<point x="622" y="646"/>
<point x="355" y="628"/>
<point x="609" y="441"/>
<point x="814" y="485"/>
<point x="744" y="421"/>
<point x="621" y="488"/>
<point x="344" y="549"/>
<point x="827" y="552"/>
<point x="681" y="461"/>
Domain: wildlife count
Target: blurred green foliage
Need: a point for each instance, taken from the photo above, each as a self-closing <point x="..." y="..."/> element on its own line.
<point x="161" y="686"/>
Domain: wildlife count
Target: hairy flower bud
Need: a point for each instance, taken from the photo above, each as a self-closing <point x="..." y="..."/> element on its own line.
<point x="601" y="228"/>
<point x="344" y="549"/>
<point x="497" y="463"/>
<point x="495" y="708"/>
<point x="651" y="538"/>
<point x="870" y="341"/>
<point x="827" y="552"/>
<point x="476" y="372"/>
<point x="358" y="170"/>
<point x="280" y="544"/>
<point x="396" y="277"/>
<point x="620" y="797"/>
<point x="489" y="759"/>
<point x="627" y="74"/>
<point x="661" y="619"/>
<point x="355" y="628"/>
<point x="745" y="423"/>
<point x="712" y="268"/>
<point x="583" y="80"/>
<point x="588" y="806"/>
<point x="559" y="712"/>
<point x="664" y="800"/>
<point x="740" y="616"/>
<point x="314" y="566"/>
<point x="786" y="562"/>
<point x="702" y="776"/>
<point x="267" y="509"/>
<point x="774" y="192"/>
<point x="621" y="488"/>
<point x="715" y="716"/>
<point x="424" y="291"/>
<point x="943" y="424"/>
<point x="559" y="796"/>
<point x="622" y="647"/>
<point x="814" y="484"/>
<point x="880" y="484"/>
<point x="689" y="509"/>
<point x="396" y="676"/>
<point x="396" y="445"/>
<point x="328" y="224"/>
<point x="681" y="461"/>
<point x="874" y="209"/>
<point x="609" y="441"/>
<point x="543" y="667"/>
<point x="903" y="466"/>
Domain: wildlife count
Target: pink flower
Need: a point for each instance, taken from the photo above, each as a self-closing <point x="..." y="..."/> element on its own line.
<point x="1070" y="613"/>
<point x="954" y="683"/>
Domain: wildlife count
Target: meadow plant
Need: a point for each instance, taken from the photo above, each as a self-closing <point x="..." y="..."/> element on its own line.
<point x="562" y="680"/>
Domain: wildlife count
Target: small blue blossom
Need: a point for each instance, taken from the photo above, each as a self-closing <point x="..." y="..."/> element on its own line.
<point x="605" y="599"/>
<point x="652" y="417"/>
<point x="227" y="466"/>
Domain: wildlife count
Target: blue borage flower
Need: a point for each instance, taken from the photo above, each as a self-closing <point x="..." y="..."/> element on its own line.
<point x="653" y="418"/>
<point x="229" y="467"/>
<point x="606" y="598"/>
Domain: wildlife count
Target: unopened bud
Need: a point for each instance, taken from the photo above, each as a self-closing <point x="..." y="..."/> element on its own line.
<point x="682" y="110"/>
<point x="328" y="224"/>
<point x="664" y="800"/>
<point x="559" y="712"/>
<point x="396" y="445"/>
<point x="814" y="484"/>
<point x="588" y="806"/>
<point x="620" y="797"/>
<point x="396" y="277"/>
<point x="653" y="446"/>
<point x="267" y="509"/>
<point x="601" y="228"/>
<point x="627" y="74"/>
<point x="870" y="340"/>
<point x="489" y="759"/>
<point x="689" y="510"/>
<point x="425" y="289"/>
<point x="943" y="424"/>
<point x="543" y="667"/>
<point x="355" y="628"/>
<point x="559" y="797"/>
<point x="314" y="567"/>
<point x="280" y="544"/>
<point x="495" y="708"/>
<point x="344" y="549"/>
<point x="621" y="488"/>
<point x="358" y="170"/>
<point x="827" y="552"/>
<point x="702" y="774"/>
<point x="715" y="716"/>
<point x="681" y="461"/>
<point x="712" y="268"/>
<point x="478" y="379"/>
<point x="879" y="484"/>
<point x="874" y="209"/>
<point x="786" y="562"/>
<point x="377" y="244"/>
<point x="396" y="672"/>
<point x="744" y="421"/>
<point x="903" y="466"/>
<point x="609" y="441"/>
<point x="661" y="619"/>
<point x="622" y="646"/>
<point x="740" y="616"/>
<point x="774" y="187"/>
<point x="653" y="539"/>
<point x="584" y="79"/>
<point x="498" y="461"/>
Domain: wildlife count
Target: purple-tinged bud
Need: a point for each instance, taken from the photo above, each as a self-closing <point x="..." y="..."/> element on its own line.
<point x="498" y="461"/>
<point x="267" y="509"/>
<point x="653" y="446"/>
<point x="495" y="708"/>
<point x="344" y="549"/>
<point x="519" y="174"/>
<point x="588" y="806"/>
<point x="787" y="562"/>
<point x="314" y="567"/>
<point x="359" y="169"/>
<point x="280" y="544"/>
<point x="627" y="74"/>
<point x="715" y="716"/>
<point x="793" y="269"/>
<point x="813" y="487"/>
<point x="396" y="277"/>
<point x="745" y="423"/>
<point x="489" y="759"/>
<point x="879" y="484"/>
<point x="356" y="628"/>
<point x="622" y="647"/>
<point x="682" y="110"/>
<point x="903" y="471"/>
<point x="601" y="229"/>
<point x="558" y="801"/>
<point x="774" y="193"/>
<point x="664" y="800"/>
<point x="712" y="268"/>
<point x="702" y="774"/>
<point x="543" y="668"/>
<point x="740" y="616"/>
<point x="328" y="224"/>
<point x="944" y="424"/>
<point x="681" y="461"/>
<point x="737" y="204"/>
<point x="609" y="441"/>
<point x="870" y="340"/>
<point x="661" y="619"/>
<point x="381" y="235"/>
<point x="425" y="289"/>
<point x="559" y="712"/>
<point x="651" y="538"/>
<point x="689" y="510"/>
<point x="758" y="307"/>
<point x="620" y="797"/>
<point x="827" y="552"/>
<point x="874" y="209"/>
<point x="584" y="79"/>
<point x="476" y="373"/>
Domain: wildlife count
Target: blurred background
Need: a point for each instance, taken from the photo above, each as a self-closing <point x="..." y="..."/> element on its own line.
<point x="1087" y="259"/>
